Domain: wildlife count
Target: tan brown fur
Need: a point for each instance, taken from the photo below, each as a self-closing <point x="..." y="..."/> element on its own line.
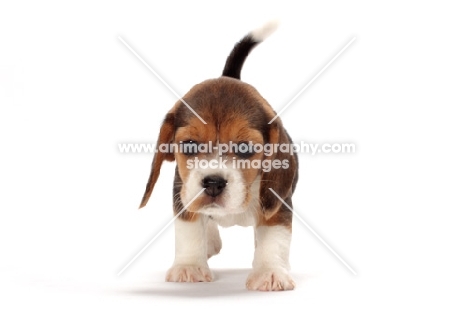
<point x="234" y="111"/>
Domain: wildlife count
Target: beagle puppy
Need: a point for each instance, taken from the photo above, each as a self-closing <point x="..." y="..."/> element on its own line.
<point x="211" y="188"/>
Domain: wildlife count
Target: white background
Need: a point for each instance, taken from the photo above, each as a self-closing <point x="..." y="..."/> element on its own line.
<point x="395" y="210"/>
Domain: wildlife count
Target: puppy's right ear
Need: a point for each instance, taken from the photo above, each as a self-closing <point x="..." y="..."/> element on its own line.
<point x="166" y="136"/>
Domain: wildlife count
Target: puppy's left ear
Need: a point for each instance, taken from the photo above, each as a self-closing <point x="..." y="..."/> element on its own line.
<point x="282" y="180"/>
<point x="166" y="136"/>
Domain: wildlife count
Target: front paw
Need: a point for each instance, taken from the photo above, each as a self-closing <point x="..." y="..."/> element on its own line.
<point x="189" y="273"/>
<point x="268" y="279"/>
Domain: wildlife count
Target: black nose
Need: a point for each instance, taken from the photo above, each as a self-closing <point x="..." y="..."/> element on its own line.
<point x="213" y="185"/>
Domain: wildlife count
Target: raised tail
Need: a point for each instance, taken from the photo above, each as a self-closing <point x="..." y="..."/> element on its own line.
<point x="241" y="50"/>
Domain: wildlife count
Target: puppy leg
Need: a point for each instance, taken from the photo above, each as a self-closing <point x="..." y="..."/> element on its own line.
<point x="190" y="263"/>
<point x="271" y="260"/>
<point x="213" y="239"/>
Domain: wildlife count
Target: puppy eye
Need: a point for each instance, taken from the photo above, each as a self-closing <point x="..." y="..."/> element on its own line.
<point x="244" y="150"/>
<point x="189" y="147"/>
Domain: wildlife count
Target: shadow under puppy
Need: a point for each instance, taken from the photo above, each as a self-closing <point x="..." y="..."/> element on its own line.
<point x="235" y="188"/>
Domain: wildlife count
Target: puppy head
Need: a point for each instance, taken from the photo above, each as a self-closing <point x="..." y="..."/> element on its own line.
<point x="223" y="156"/>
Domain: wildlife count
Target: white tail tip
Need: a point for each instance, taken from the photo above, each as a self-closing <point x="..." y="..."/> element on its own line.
<point x="265" y="31"/>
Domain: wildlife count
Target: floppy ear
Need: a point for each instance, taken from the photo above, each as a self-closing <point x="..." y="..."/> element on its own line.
<point x="282" y="180"/>
<point x="166" y="136"/>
